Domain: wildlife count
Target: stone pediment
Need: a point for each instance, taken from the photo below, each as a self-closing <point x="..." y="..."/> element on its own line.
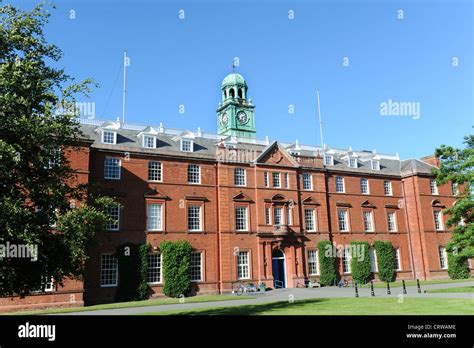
<point x="274" y="154"/>
<point x="242" y="197"/>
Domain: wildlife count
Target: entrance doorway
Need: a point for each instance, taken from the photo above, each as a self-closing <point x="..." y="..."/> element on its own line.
<point x="278" y="269"/>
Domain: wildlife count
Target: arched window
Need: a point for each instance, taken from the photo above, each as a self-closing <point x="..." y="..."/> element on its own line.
<point x="225" y="94"/>
<point x="232" y="93"/>
<point x="240" y="93"/>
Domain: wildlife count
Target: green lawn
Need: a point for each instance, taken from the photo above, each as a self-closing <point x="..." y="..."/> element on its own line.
<point x="463" y="289"/>
<point x="341" y="306"/>
<point x="426" y="282"/>
<point x="155" y="302"/>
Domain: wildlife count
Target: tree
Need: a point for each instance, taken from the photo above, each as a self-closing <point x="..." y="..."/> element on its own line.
<point x="36" y="179"/>
<point x="457" y="166"/>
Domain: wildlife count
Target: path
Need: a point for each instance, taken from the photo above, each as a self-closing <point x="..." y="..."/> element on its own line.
<point x="288" y="294"/>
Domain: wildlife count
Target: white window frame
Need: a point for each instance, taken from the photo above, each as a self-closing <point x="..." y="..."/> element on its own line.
<point x="373" y="260"/>
<point x="158" y="171"/>
<point x="387" y="188"/>
<point x="395" y="227"/>
<point x="397" y="260"/>
<point x="455" y="188"/>
<point x="243" y="265"/>
<point x="159" y="268"/>
<point x="368" y="217"/>
<point x="288" y="216"/>
<point x="346" y="261"/>
<point x="195" y="280"/>
<point x="310" y="213"/>
<point x="158" y="217"/>
<point x="193" y="173"/>
<point x="243" y="209"/>
<point x="438" y="220"/>
<point x="443" y="257"/>
<point x="375" y="164"/>
<point x="366" y="181"/>
<point x="433" y="187"/>
<point x="328" y="160"/>
<point x="184" y="148"/>
<point x="145" y="143"/>
<point x="352" y="162"/>
<point x="268" y="216"/>
<point x="114" y="137"/>
<point x="266" y="180"/>
<point x="280" y="215"/>
<point x="113" y="226"/>
<point x="287" y="180"/>
<point x="345" y="220"/>
<point x="199" y="229"/>
<point x="240" y="177"/>
<point x="340" y="183"/>
<point x="313" y="260"/>
<point x="107" y="164"/>
<point x="276" y="179"/>
<point x="307" y="178"/>
<point x="113" y="267"/>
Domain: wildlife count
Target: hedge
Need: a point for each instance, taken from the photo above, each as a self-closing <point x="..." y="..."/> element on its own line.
<point x="327" y="267"/>
<point x="360" y="262"/>
<point x="132" y="269"/>
<point x="457" y="267"/>
<point x="385" y="261"/>
<point x="176" y="256"/>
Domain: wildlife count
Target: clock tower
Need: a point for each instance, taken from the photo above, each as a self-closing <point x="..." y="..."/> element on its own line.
<point x="235" y="111"/>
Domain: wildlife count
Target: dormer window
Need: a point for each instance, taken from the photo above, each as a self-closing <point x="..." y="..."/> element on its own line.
<point x="109" y="137"/>
<point x="149" y="141"/>
<point x="328" y="160"/>
<point x="352" y="162"/>
<point x="186" y="145"/>
<point x="375" y="164"/>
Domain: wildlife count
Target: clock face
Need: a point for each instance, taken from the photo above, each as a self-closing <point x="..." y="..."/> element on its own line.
<point x="242" y="117"/>
<point x="224" y="119"/>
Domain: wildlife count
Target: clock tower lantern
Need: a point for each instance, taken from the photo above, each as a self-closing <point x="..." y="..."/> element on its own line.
<point x="235" y="111"/>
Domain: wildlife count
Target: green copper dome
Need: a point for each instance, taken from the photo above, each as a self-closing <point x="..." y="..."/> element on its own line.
<point x="234" y="79"/>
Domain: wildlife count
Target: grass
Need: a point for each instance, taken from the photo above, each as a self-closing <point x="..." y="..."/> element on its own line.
<point x="463" y="289"/>
<point x="146" y="303"/>
<point x="425" y="282"/>
<point x="341" y="306"/>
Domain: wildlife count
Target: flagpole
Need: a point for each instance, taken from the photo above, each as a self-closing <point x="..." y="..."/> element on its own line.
<point x="320" y="120"/>
<point x="124" y="85"/>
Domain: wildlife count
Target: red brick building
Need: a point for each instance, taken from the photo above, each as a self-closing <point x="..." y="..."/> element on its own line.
<point x="254" y="210"/>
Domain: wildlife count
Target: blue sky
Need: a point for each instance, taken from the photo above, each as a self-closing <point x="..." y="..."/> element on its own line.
<point x="177" y="62"/>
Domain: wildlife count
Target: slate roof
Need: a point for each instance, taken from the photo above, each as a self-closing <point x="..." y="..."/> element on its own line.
<point x="205" y="147"/>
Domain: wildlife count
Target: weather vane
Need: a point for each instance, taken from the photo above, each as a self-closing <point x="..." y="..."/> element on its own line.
<point x="233" y="66"/>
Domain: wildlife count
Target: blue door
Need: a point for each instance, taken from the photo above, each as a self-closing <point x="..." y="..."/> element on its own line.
<point x="278" y="269"/>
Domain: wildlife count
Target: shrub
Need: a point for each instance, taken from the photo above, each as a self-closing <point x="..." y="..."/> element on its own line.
<point x="360" y="262"/>
<point x="327" y="265"/>
<point x="132" y="265"/>
<point x="385" y="260"/>
<point x="457" y="267"/>
<point x="176" y="257"/>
